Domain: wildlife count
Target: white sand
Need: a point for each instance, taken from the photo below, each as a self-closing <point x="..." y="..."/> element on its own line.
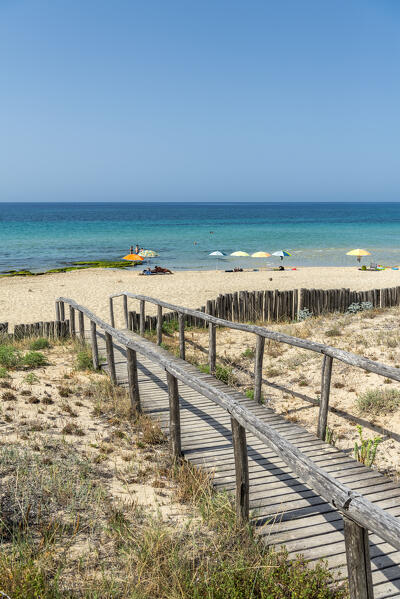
<point x="31" y="299"/>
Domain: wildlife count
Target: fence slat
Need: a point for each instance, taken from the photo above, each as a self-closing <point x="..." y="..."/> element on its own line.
<point x="181" y="321"/>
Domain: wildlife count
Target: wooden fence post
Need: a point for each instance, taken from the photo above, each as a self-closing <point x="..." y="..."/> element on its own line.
<point x="57" y="311"/>
<point x="212" y="346"/>
<point x="324" y="401"/>
<point x="242" y="470"/>
<point x="142" y="317"/>
<point x="110" y="357"/>
<point x="133" y="381"/>
<point x="95" y="349"/>
<point x="181" y="320"/>
<point x="112" y="320"/>
<point x="258" y="365"/>
<point x="174" y="417"/>
<point x="62" y="311"/>
<point x="358" y="560"/>
<point x="159" y="325"/>
<point x="81" y="326"/>
<point x="72" y="321"/>
<point x="125" y="302"/>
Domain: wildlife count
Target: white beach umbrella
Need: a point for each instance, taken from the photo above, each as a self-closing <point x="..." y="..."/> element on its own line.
<point x="218" y="254"/>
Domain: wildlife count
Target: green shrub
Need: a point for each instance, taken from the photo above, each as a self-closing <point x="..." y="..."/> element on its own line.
<point x="31" y="378"/>
<point x="40" y="343"/>
<point x="335" y="332"/>
<point x="84" y="359"/>
<point x="3" y="373"/>
<point x="378" y="401"/>
<point x="9" y="356"/>
<point x="249" y="353"/>
<point x="34" y="359"/>
<point x="170" y="327"/>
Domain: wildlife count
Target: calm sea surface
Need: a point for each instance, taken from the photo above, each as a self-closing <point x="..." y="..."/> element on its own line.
<point x="42" y="236"/>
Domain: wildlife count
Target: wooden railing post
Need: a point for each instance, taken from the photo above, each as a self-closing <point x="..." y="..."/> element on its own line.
<point x="212" y="347"/>
<point x="174" y="417"/>
<point x="125" y="301"/>
<point x="72" y="321"/>
<point x="324" y="401"/>
<point x="133" y="381"/>
<point x="62" y="311"/>
<point x="258" y="366"/>
<point x="242" y="470"/>
<point x="142" y="317"/>
<point x="58" y="311"/>
<point x="358" y="560"/>
<point x="112" y="319"/>
<point x="110" y="357"/>
<point x="81" y="326"/>
<point x="159" y="325"/>
<point x="181" y="320"/>
<point x="95" y="349"/>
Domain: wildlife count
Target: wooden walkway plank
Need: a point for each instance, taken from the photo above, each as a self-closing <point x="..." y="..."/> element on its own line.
<point x="285" y="509"/>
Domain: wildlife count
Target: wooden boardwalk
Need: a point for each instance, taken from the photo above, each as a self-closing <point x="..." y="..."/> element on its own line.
<point x="285" y="510"/>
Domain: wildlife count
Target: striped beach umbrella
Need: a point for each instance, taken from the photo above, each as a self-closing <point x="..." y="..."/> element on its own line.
<point x="281" y="254"/>
<point x="148" y="253"/>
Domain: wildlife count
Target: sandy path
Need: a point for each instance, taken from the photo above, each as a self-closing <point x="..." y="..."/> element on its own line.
<point x="31" y="299"/>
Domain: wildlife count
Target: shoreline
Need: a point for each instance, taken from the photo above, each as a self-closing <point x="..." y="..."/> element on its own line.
<point x="32" y="298"/>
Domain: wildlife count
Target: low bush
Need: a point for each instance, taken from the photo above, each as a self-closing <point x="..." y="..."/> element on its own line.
<point x="10" y="357"/>
<point x="40" y="343"/>
<point x="34" y="359"/>
<point x="378" y="401"/>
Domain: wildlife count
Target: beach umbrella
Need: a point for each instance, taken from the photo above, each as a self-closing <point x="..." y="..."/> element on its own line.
<point x="358" y="252"/>
<point x="281" y="254"/>
<point x="239" y="254"/>
<point x="148" y="253"/>
<point x="133" y="257"/>
<point x="218" y="254"/>
<point x="260" y="255"/>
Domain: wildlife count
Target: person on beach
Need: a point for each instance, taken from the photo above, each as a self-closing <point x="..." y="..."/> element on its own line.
<point x="137" y="249"/>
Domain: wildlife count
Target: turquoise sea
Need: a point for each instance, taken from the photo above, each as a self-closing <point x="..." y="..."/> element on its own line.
<point x="40" y="236"/>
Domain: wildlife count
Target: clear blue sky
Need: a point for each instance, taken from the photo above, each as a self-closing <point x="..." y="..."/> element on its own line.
<point x="199" y="100"/>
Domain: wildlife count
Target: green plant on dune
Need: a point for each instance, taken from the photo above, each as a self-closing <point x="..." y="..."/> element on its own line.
<point x="365" y="451"/>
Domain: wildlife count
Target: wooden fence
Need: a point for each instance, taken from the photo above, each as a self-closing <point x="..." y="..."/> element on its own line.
<point x="49" y="329"/>
<point x="275" y="305"/>
<point x="359" y="514"/>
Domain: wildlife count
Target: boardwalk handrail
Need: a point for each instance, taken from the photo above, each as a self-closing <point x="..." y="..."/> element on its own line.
<point x="321" y="348"/>
<point x="328" y="352"/>
<point x="356" y="510"/>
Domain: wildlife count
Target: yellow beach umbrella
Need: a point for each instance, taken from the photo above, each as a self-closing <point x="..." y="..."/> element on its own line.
<point x="359" y="253"/>
<point x="239" y="254"/>
<point x="260" y="255"/>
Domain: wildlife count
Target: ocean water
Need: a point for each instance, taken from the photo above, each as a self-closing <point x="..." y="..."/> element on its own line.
<point x="40" y="236"/>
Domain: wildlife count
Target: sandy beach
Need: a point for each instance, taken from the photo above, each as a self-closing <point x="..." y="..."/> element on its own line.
<point x="31" y="299"/>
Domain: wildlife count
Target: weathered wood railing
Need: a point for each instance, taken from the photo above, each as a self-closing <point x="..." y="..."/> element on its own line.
<point x="360" y="516"/>
<point x="329" y="353"/>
